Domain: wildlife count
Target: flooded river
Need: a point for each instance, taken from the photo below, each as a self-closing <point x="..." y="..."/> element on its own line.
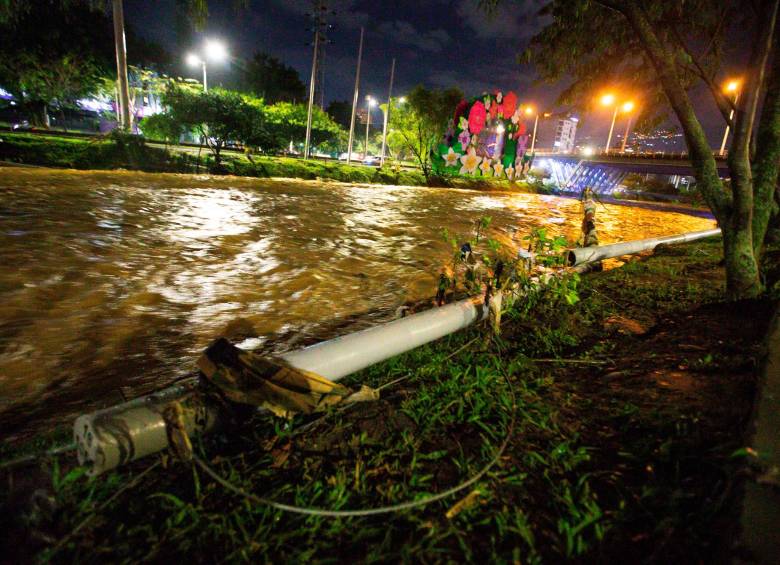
<point x="113" y="282"/>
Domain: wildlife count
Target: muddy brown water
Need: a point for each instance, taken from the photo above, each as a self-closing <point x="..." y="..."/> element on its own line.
<point x="113" y="282"/>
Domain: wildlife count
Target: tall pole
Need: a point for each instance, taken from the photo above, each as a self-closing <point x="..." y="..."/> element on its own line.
<point x="355" y="100"/>
<point x="121" y="65"/>
<point x="387" y="114"/>
<point x="307" y="145"/>
<point x="205" y="82"/>
<point x="368" y="124"/>
<point x="533" y="137"/>
<point x="726" y="133"/>
<point x="625" y="136"/>
<point x="611" y="128"/>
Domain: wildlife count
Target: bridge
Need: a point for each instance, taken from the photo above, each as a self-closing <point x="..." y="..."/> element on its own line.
<point x="605" y="171"/>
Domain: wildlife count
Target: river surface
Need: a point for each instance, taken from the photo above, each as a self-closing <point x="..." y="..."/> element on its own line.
<point x="112" y="283"/>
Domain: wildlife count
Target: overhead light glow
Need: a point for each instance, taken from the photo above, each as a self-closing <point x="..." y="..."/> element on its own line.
<point x="216" y="51"/>
<point x="608" y="99"/>
<point x="628" y="106"/>
<point x="732" y="86"/>
<point x="193" y="60"/>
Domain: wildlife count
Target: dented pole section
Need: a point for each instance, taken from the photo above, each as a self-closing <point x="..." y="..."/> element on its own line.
<point x="581" y="255"/>
<point x="115" y="436"/>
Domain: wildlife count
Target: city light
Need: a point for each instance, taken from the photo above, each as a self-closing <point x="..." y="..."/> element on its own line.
<point x="529" y="111"/>
<point x="215" y="51"/>
<point x="193" y="60"/>
<point x="608" y="100"/>
<point x="732" y="86"/>
<point x="402" y="100"/>
<point x="628" y="106"/>
<point x="587" y="151"/>
<point x="371" y="101"/>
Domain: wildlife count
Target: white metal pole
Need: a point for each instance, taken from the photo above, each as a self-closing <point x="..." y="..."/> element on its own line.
<point x="726" y="133"/>
<point x="355" y="100"/>
<point x="612" y="127"/>
<point x="625" y="136"/>
<point x="121" y="65"/>
<point x="368" y="124"/>
<point x="533" y="138"/>
<point x="205" y="80"/>
<point x="387" y="114"/>
<point x="307" y="144"/>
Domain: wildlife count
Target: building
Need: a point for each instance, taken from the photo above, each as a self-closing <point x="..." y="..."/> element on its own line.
<point x="557" y="134"/>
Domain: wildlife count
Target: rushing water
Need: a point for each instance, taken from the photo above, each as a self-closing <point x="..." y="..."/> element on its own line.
<point x="113" y="282"/>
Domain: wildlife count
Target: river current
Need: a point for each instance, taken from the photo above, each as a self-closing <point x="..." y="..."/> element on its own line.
<point x="112" y="283"/>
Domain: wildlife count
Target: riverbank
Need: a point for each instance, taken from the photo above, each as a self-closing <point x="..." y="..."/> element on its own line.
<point x="132" y="153"/>
<point x="620" y="446"/>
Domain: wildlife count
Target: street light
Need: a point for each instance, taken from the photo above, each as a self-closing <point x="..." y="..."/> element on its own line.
<point x="212" y="50"/>
<point x="731" y="87"/>
<point x="627" y="108"/>
<point x="529" y="111"/>
<point x="370" y="103"/>
<point x="609" y="100"/>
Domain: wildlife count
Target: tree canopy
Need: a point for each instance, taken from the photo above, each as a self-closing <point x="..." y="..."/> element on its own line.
<point x="660" y="50"/>
<point x="417" y="125"/>
<point x="268" y="78"/>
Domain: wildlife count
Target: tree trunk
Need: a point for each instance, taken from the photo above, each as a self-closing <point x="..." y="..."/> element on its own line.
<point x="733" y="212"/>
<point x="121" y="65"/>
<point x="766" y="164"/>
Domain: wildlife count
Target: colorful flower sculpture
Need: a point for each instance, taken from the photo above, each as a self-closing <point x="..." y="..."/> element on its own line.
<point x="487" y="132"/>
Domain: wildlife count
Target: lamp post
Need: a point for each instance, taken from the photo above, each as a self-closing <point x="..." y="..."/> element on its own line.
<point x="355" y="100"/>
<point x="609" y="100"/>
<point x="387" y="115"/>
<point x="732" y="86"/>
<point x="627" y="107"/>
<point x="370" y="103"/>
<point x="213" y="50"/>
<point x="528" y="112"/>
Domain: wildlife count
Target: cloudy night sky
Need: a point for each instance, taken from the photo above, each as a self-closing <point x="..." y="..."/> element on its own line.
<point x="438" y="43"/>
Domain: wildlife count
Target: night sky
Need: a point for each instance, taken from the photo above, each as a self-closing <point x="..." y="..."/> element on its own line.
<point x="438" y="43"/>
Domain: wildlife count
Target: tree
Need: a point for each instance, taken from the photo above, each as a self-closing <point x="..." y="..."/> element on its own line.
<point x="287" y="122"/>
<point x="418" y="124"/>
<point x="219" y="116"/>
<point x="663" y="50"/>
<point x="53" y="56"/>
<point x="273" y="81"/>
<point x="341" y="112"/>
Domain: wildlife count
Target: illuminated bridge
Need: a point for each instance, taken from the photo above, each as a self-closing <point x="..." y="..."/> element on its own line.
<point x="604" y="172"/>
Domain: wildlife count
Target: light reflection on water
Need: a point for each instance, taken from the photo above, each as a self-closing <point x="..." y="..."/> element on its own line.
<point x="117" y="280"/>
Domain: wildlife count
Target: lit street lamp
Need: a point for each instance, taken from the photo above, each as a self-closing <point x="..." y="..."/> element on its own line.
<point x="627" y="107"/>
<point x="609" y="100"/>
<point x="212" y="50"/>
<point x="732" y="86"/>
<point x="370" y="103"/>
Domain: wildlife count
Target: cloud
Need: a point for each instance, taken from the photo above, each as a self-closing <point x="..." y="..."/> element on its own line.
<point x="509" y="20"/>
<point x="405" y="33"/>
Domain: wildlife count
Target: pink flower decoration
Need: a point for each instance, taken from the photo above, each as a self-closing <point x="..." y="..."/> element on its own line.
<point x="510" y="103"/>
<point x="477" y="116"/>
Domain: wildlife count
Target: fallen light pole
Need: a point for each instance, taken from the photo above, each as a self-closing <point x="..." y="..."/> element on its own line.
<point x="117" y="435"/>
<point x="580" y="255"/>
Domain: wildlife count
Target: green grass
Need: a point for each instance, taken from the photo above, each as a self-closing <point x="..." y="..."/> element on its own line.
<point x="112" y="153"/>
<point x="562" y="491"/>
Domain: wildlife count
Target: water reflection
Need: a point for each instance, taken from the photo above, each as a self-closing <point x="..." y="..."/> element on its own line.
<point x="113" y="282"/>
